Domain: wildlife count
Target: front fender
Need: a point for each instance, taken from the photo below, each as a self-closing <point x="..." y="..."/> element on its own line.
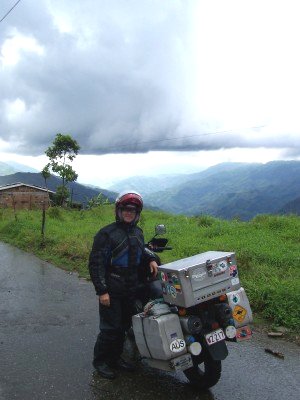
<point x="218" y="351"/>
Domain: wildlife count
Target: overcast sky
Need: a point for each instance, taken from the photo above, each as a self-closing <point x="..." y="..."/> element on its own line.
<point x="152" y="85"/>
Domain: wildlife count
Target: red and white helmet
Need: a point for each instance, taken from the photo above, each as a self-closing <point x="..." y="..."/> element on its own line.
<point x="129" y="197"/>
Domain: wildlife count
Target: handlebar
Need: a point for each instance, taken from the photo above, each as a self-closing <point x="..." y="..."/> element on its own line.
<point x="161" y="248"/>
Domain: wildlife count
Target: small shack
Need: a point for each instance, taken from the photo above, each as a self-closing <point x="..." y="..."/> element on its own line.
<point x="22" y="196"/>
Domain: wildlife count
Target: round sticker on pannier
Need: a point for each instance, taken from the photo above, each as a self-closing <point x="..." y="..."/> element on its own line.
<point x="177" y="345"/>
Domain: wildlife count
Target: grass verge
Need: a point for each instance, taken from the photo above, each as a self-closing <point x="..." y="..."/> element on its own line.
<point x="267" y="248"/>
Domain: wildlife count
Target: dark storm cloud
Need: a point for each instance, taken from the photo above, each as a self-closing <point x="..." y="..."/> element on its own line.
<point x="106" y="89"/>
<point x="113" y="74"/>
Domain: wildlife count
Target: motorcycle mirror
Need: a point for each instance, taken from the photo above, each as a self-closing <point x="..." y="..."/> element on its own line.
<point x="160" y="229"/>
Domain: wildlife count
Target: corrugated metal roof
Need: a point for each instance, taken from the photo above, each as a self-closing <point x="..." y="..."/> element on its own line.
<point x="18" y="184"/>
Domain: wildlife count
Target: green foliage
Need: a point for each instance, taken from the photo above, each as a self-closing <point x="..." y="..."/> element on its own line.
<point x="267" y="248"/>
<point x="55" y="213"/>
<point x="62" y="194"/>
<point x="97" y="201"/>
<point x="64" y="146"/>
<point x="61" y="153"/>
<point x="204" y="220"/>
<point x="46" y="173"/>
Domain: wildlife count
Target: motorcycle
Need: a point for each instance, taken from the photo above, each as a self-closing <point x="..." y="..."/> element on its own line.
<point x="196" y="305"/>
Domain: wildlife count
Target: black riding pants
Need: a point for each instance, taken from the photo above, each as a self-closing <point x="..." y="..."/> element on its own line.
<point x="115" y="320"/>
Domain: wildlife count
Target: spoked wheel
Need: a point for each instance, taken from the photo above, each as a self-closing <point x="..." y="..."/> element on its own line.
<point x="205" y="373"/>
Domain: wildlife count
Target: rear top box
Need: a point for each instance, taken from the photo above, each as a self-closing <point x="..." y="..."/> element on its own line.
<point x="199" y="278"/>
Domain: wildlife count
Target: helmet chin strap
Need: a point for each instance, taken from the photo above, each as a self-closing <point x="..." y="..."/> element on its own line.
<point x="137" y="218"/>
<point x="119" y="215"/>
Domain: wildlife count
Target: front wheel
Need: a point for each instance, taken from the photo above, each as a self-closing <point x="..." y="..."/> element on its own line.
<point x="204" y="375"/>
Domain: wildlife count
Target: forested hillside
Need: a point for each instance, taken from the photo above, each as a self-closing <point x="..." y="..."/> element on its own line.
<point x="233" y="190"/>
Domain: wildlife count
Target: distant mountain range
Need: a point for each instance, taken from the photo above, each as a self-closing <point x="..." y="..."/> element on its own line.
<point x="6" y="169"/>
<point x="11" y="167"/>
<point x="225" y="190"/>
<point x="148" y="184"/>
<point x="234" y="190"/>
<point x="292" y="207"/>
<point x="80" y="193"/>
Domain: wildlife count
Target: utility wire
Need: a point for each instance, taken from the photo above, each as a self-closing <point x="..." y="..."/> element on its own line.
<point x="178" y="138"/>
<point x="10" y="11"/>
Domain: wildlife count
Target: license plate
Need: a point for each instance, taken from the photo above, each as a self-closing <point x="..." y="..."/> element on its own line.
<point x="214" y="337"/>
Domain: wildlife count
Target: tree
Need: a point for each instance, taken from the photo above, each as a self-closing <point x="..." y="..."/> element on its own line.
<point x="46" y="174"/>
<point x="60" y="154"/>
<point x="97" y="201"/>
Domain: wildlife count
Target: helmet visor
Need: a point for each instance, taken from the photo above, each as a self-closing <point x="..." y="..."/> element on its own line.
<point x="129" y="208"/>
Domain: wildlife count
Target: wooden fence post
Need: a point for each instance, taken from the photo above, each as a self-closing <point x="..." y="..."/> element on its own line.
<point x="43" y="222"/>
<point x="14" y="206"/>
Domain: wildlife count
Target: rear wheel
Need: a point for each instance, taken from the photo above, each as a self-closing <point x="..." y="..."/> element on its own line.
<point x="204" y="373"/>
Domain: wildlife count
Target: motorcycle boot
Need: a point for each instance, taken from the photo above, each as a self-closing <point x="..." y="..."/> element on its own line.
<point x="104" y="370"/>
<point x="122" y="364"/>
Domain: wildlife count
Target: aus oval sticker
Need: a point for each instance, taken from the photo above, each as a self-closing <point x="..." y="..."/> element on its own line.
<point x="177" y="345"/>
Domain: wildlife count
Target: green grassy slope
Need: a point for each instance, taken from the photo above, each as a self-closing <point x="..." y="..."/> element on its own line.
<point x="267" y="248"/>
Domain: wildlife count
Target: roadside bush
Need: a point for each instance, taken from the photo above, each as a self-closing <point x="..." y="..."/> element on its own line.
<point x="55" y="213"/>
<point x="204" y="220"/>
<point x="214" y="230"/>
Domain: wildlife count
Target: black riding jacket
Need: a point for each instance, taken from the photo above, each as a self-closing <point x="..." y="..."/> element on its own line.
<point x="116" y="258"/>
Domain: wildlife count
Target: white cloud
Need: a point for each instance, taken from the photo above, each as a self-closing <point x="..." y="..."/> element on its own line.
<point x="15" y="45"/>
<point x="15" y="109"/>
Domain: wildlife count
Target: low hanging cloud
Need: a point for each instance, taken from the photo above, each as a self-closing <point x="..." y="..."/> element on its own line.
<point x="136" y="76"/>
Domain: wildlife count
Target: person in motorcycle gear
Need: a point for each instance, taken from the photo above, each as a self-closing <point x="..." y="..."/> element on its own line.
<point x="114" y="264"/>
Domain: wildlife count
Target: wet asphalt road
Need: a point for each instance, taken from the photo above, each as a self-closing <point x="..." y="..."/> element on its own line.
<point x="48" y="325"/>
